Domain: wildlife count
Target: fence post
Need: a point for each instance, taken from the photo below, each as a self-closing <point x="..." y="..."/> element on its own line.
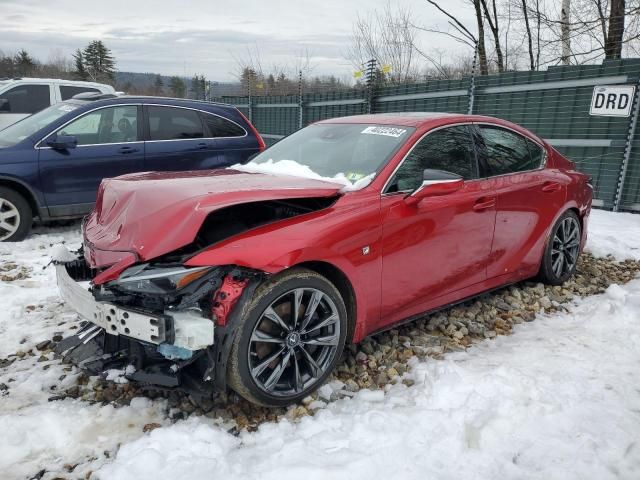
<point x="472" y="85"/>
<point x="633" y="123"/>
<point x="371" y="80"/>
<point x="300" y="105"/>
<point x="250" y="101"/>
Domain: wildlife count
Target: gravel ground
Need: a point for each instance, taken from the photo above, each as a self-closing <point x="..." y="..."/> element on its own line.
<point x="376" y="363"/>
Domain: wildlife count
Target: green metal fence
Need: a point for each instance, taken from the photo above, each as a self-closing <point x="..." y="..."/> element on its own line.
<point x="554" y="104"/>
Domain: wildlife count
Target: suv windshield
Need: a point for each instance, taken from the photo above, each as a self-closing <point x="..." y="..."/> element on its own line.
<point x="17" y="132"/>
<point x="346" y="153"/>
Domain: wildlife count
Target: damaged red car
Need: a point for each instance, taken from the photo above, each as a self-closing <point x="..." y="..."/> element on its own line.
<point x="256" y="276"/>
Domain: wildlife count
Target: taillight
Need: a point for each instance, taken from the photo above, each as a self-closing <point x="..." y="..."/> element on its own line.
<point x="261" y="143"/>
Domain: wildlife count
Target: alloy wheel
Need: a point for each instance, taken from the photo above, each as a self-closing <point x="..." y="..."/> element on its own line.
<point x="294" y="342"/>
<point x="9" y="219"/>
<point x="564" y="250"/>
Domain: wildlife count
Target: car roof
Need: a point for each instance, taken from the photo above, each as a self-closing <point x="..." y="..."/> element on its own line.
<point x="8" y="80"/>
<point x="409" y="119"/>
<point x="147" y="100"/>
<point x="428" y="120"/>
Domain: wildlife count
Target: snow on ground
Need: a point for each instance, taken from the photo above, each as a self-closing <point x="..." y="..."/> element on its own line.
<point x="560" y="398"/>
<point x="37" y="433"/>
<point x="614" y="234"/>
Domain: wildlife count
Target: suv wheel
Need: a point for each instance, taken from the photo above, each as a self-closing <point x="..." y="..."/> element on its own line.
<point x="291" y="337"/>
<point x="15" y="216"/>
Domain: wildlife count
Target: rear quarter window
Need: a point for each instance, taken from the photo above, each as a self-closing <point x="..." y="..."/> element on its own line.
<point x="221" y="127"/>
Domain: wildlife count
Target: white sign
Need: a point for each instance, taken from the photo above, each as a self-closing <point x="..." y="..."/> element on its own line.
<point x="612" y="101"/>
<point x="387" y="131"/>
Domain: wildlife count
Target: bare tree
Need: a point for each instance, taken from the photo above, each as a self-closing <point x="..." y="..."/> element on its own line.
<point x="613" y="44"/>
<point x="388" y="36"/>
<point x="491" y="17"/>
<point x="532" y="62"/>
<point x="463" y="35"/>
<point x="565" y="35"/>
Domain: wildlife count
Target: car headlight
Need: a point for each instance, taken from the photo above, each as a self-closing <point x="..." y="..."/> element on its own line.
<point x="159" y="280"/>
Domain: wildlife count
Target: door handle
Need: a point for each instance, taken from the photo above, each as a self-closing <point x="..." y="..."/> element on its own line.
<point x="484" y="203"/>
<point x="202" y="146"/>
<point x="125" y="150"/>
<point x="549" y="187"/>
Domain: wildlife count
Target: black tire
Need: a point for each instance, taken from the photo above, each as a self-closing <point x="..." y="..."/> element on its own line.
<point x="561" y="253"/>
<point x="11" y="201"/>
<point x="300" y="375"/>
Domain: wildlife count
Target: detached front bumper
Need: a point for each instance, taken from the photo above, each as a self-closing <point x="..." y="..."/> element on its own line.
<point x="167" y="349"/>
<point x="113" y="319"/>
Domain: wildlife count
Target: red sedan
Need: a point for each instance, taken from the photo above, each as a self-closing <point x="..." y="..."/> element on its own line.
<point x="255" y="277"/>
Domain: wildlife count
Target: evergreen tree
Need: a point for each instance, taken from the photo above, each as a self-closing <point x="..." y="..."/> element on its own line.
<point x="177" y="87"/>
<point x="96" y="61"/>
<point x="78" y="60"/>
<point x="158" y="86"/>
<point x="24" y="64"/>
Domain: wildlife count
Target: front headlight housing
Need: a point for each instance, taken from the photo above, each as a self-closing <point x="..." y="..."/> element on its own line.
<point x="157" y="280"/>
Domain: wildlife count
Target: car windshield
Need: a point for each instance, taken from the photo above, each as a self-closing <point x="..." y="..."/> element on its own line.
<point x="17" y="132"/>
<point x="351" y="154"/>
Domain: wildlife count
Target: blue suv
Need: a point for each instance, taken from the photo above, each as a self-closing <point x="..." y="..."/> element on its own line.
<point x="52" y="162"/>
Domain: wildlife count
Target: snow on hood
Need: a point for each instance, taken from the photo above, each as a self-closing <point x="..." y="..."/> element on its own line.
<point x="293" y="168"/>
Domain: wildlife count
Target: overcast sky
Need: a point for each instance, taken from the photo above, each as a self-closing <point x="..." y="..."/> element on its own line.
<point x="206" y="36"/>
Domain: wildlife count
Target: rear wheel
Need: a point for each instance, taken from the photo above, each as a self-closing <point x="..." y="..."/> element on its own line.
<point x="15" y="216"/>
<point x="563" y="248"/>
<point x="291" y="336"/>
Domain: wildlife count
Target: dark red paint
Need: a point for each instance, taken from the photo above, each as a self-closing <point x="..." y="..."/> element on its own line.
<point x="422" y="255"/>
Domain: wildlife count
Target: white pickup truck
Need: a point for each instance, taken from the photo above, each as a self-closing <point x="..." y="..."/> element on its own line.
<point x="21" y="97"/>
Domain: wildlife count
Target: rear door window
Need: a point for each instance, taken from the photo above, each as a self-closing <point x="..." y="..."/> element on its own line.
<point x="507" y="152"/>
<point x="170" y="123"/>
<point x="26" y="99"/>
<point x="69" y="91"/>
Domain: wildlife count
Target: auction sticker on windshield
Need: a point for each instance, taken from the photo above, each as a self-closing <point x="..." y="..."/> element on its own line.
<point x="387" y="131"/>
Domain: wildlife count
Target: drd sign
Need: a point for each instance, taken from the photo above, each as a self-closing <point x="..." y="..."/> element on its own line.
<point x="612" y="101"/>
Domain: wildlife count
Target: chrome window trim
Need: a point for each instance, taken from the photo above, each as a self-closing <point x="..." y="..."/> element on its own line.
<point x="196" y="110"/>
<point x="543" y="163"/>
<point x="38" y="147"/>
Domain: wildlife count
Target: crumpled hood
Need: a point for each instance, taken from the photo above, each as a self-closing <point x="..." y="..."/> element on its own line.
<point x="153" y="213"/>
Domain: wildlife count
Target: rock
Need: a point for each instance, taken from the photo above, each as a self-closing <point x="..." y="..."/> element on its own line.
<point x="361" y="357"/>
<point x="544" y="302"/>
<point x="43" y="345"/>
<point x="149" y="427"/>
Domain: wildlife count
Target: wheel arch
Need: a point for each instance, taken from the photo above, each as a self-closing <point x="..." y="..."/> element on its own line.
<point x="24" y="190"/>
<point x="338" y="278"/>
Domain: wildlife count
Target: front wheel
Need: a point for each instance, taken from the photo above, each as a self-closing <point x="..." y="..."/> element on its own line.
<point x="563" y="248"/>
<point x="290" y="338"/>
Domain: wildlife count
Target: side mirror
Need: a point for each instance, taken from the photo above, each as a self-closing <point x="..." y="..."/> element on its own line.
<point x="5" y="106"/>
<point x="435" y="183"/>
<point x="63" y="142"/>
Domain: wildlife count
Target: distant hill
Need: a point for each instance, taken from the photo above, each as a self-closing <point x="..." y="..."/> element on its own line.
<point x="137" y="82"/>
